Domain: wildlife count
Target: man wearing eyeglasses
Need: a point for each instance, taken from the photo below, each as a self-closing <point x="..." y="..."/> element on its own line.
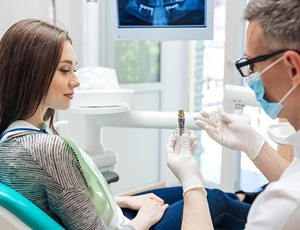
<point x="271" y="67"/>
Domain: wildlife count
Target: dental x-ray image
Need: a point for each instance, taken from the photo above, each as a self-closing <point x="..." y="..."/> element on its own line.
<point x="162" y="13"/>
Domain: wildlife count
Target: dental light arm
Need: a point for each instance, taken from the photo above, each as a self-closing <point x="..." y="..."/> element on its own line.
<point x="146" y="119"/>
<point x="122" y="117"/>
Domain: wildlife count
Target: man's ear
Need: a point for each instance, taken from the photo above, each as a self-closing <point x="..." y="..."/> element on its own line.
<point x="292" y="60"/>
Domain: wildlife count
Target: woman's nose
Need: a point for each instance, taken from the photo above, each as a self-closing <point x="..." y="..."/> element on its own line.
<point x="74" y="82"/>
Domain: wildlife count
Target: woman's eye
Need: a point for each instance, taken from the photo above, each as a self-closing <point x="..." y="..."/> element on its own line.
<point x="64" y="71"/>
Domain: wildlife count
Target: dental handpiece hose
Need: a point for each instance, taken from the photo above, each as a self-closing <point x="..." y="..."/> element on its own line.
<point x="181" y="120"/>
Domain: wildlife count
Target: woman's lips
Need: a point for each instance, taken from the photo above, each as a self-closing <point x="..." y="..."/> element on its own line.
<point x="69" y="95"/>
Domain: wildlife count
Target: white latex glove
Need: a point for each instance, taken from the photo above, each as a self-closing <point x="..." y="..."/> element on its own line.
<point x="193" y="144"/>
<point x="231" y="132"/>
<point x="183" y="164"/>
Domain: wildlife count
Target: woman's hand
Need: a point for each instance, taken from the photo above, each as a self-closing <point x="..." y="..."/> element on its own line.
<point x="135" y="202"/>
<point x="150" y="212"/>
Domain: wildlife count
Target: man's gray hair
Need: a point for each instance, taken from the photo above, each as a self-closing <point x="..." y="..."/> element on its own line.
<point x="279" y="20"/>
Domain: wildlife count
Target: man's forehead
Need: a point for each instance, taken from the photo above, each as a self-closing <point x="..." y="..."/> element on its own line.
<point x="255" y="42"/>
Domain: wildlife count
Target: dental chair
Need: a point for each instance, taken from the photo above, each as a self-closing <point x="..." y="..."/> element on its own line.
<point x="17" y="212"/>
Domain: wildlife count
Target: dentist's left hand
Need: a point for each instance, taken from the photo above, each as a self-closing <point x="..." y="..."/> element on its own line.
<point x="181" y="161"/>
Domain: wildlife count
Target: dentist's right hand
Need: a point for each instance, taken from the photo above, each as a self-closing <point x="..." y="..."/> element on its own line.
<point x="182" y="162"/>
<point x="231" y="132"/>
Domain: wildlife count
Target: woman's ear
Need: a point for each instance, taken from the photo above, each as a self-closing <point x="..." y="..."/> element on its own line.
<point x="292" y="61"/>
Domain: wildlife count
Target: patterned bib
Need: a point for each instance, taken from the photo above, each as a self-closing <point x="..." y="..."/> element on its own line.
<point x="100" y="192"/>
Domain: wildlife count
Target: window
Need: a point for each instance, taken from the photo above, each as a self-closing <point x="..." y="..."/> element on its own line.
<point x="207" y="91"/>
<point x="137" y="61"/>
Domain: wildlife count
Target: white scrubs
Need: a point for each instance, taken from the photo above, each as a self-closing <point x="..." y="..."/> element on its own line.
<point x="278" y="207"/>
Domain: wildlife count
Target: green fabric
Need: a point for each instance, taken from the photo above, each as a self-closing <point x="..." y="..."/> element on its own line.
<point x="100" y="192"/>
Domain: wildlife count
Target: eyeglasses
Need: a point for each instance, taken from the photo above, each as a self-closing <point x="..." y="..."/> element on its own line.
<point x="245" y="66"/>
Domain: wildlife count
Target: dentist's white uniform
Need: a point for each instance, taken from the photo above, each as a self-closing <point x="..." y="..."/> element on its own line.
<point x="278" y="207"/>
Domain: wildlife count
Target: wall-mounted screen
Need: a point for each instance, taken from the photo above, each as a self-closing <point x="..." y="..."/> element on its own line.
<point x="162" y="19"/>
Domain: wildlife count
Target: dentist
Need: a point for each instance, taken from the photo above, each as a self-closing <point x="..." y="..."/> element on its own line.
<point x="271" y="66"/>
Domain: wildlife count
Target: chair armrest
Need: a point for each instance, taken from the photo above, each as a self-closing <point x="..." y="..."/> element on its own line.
<point x="110" y="176"/>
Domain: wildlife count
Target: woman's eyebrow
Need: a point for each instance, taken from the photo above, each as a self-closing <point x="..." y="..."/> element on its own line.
<point x="67" y="61"/>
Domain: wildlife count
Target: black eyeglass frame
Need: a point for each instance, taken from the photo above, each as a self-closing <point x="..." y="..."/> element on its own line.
<point x="251" y="61"/>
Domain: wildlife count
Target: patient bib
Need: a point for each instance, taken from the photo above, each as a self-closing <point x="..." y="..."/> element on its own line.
<point x="100" y="192"/>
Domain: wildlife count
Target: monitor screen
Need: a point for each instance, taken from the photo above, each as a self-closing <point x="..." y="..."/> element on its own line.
<point x="162" y="19"/>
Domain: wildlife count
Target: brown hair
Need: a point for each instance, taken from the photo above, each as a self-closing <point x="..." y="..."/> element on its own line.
<point x="30" y="51"/>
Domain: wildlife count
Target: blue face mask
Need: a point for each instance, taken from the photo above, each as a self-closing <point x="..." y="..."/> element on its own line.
<point x="255" y="83"/>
